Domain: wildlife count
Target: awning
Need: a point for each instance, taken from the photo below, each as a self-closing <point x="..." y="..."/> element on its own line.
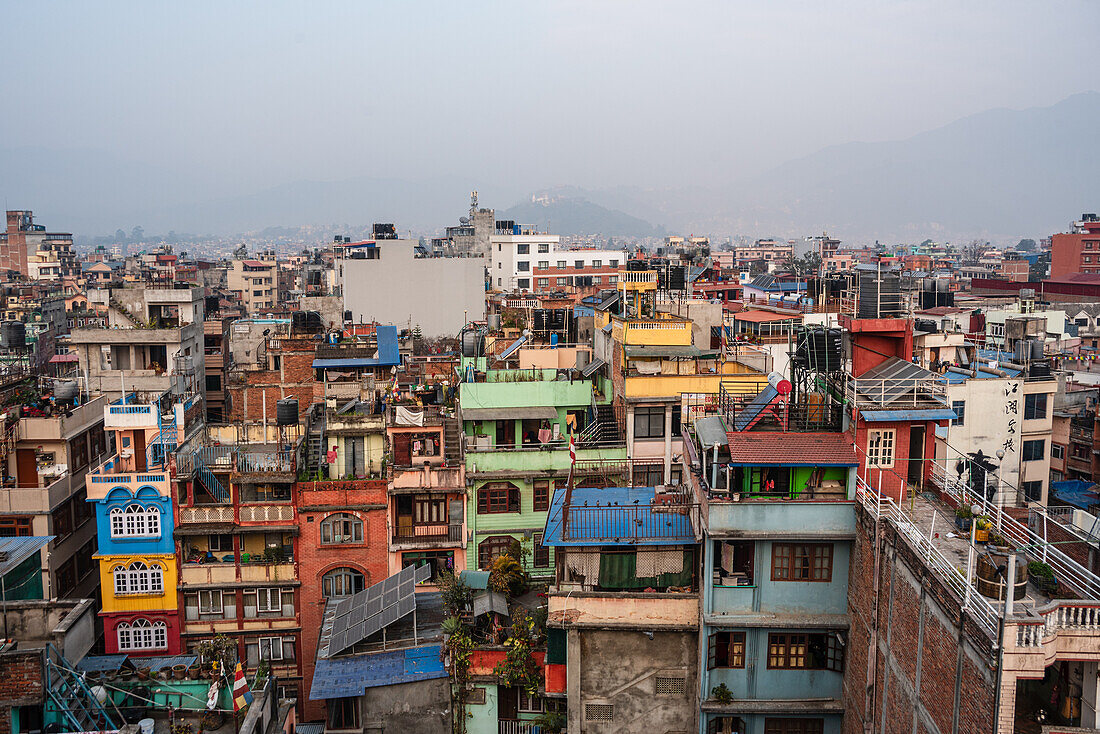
<point x="345" y="363"/>
<point x="509" y="414"/>
<point x="349" y="676"/>
<point x="592" y="367"/>
<point x="490" y="601"/>
<point x="63" y="358"/>
<point x="711" y="431"/>
<point x="688" y="351"/>
<point x="892" y="416"/>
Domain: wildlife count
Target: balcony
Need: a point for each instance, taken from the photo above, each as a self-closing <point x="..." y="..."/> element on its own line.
<point x="258" y="462"/>
<point x="266" y="513"/>
<point x="36" y="499"/>
<point x="262" y="572"/>
<point x="1060" y="630"/>
<point x="638" y="280"/>
<point x="201" y="574"/>
<point x="415" y="536"/>
<point x="623" y="610"/>
<point x="62" y="427"/>
<point x="206" y="514"/>
<point x="107" y="477"/>
<point x="448" y="479"/>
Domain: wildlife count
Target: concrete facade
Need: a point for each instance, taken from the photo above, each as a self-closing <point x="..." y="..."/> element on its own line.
<point x="443" y="290"/>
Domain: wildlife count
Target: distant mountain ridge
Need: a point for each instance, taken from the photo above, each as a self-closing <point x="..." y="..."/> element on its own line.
<point x="575" y="215"/>
<point x="1000" y="174"/>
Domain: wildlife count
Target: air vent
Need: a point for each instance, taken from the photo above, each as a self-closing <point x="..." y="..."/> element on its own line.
<point x="599" y="712"/>
<point x="667" y="686"/>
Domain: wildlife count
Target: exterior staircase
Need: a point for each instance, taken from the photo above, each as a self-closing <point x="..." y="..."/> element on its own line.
<point x="73" y="699"/>
<point x="117" y="305"/>
<point x="452" y="441"/>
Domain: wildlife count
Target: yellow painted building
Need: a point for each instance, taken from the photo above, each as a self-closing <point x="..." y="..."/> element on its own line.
<point x="138" y="583"/>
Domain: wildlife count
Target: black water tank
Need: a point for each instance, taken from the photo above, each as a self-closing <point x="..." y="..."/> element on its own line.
<point x="13" y="335"/>
<point x="286" y="412"/>
<point x="676" y="278"/>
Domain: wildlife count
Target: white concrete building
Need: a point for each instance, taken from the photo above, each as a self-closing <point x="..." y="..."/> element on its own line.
<point x="384" y="281"/>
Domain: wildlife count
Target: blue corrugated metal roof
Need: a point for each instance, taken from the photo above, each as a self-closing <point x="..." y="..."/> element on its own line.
<point x="890" y="416"/>
<point x="1076" y="492"/>
<point x="17" y="550"/>
<point x="350" y="676"/>
<point x="309" y="729"/>
<point x="598" y="526"/>
<point x="474" y="579"/>
<point x="99" y="663"/>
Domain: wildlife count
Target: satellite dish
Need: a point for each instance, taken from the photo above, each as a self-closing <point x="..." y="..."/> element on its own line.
<point x="464" y="220"/>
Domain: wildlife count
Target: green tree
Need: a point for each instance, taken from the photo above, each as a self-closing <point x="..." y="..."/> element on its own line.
<point x="1027" y="245"/>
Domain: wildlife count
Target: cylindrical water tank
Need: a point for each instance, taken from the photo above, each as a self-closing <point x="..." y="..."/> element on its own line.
<point x="471" y="344"/>
<point x="286" y="412"/>
<point x="1037" y="349"/>
<point x="493" y="320"/>
<point x="993" y="571"/>
<point x="13" y="335"/>
<point x="582" y="359"/>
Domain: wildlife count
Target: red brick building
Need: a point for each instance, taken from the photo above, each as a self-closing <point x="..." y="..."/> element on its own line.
<point x="283" y="369"/>
<point x="343" y="548"/>
<point x="1076" y="252"/>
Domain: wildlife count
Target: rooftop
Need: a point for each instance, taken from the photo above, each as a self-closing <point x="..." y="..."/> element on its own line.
<point x="621" y="515"/>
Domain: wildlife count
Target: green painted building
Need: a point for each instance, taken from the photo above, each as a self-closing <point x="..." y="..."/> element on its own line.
<point x="517" y="425"/>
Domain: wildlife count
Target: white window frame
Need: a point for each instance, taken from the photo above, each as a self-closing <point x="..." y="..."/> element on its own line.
<point x="213" y="601"/>
<point x="139" y="579"/>
<point x="881" y="443"/>
<point x="529" y="703"/>
<point x="141" y="634"/>
<point x="273" y="644"/>
<point x="266" y="595"/>
<point x="135" y="521"/>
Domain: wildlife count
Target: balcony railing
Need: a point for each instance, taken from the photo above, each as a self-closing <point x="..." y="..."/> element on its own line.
<point x="509" y="726"/>
<point x="1060" y="617"/>
<point x="676" y="520"/>
<point x="450" y="533"/>
<point x="279" y="462"/>
<point x="751" y="412"/>
<point x="638" y="276"/>
<point x="896" y="392"/>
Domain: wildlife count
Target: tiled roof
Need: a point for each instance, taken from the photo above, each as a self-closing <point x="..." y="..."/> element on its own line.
<point x="791" y="449"/>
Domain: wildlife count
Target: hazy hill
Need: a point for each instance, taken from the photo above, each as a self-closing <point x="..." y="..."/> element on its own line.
<point x="576" y="215"/>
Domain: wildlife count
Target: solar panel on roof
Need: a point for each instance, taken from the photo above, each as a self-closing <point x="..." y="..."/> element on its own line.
<point x="377" y="606"/>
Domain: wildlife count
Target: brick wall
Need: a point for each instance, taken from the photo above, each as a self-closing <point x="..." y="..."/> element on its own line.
<point x="21" y="682"/>
<point x="933" y="668"/>
<point x="364" y="498"/>
<point x="295" y="378"/>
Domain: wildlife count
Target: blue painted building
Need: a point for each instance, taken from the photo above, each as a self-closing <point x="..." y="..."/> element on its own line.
<point x="780" y="527"/>
<point x="134" y="521"/>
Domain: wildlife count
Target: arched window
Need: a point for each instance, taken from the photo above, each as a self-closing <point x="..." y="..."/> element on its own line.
<point x="497" y="497"/>
<point x="341" y="528"/>
<point x="489" y="549"/>
<point x="341" y="582"/>
<point x="135" y="522"/>
<point x="141" y="634"/>
<point x="139" y="578"/>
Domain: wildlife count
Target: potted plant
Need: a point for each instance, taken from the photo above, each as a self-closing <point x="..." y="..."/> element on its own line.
<point x="1042" y="575"/>
<point x="721" y="693"/>
<point x="963" y="517"/>
<point x="179" y="672"/>
<point x="981" y="529"/>
<point x="450" y="626"/>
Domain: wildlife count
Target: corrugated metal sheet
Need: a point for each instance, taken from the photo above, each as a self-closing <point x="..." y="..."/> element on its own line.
<point x="17" y="550"/>
<point x="350" y="676"/>
<point x="100" y="663"/>
<point x="891" y="416"/>
<point x="168" y="661"/>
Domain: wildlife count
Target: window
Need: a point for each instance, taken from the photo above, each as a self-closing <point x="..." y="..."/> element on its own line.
<point x="492" y="548"/>
<point x="271" y="648"/>
<point x="542" y="495"/>
<point x="1057" y="451"/>
<point x="612" y="279"/>
<point x="141" y="634"/>
<point x="544" y="263"/>
<point x="735" y="562"/>
<point x="437" y="560"/>
<point x="257" y="293"/>
<point x="220" y="543"/>
<point x="523" y="266"/>
<point x="653" y="475"/>
<point x="562" y="281"/>
<point x="269" y="600"/>
<point x="726" y="725"/>
<point x="802" y="562"/>
<point x="210" y="602"/>
<point x="1034" y="450"/>
<point x="135" y="522"/>
<point x="880" y="448"/>
<point x="562" y="264"/>
<point x="613" y="263"/>
<point x="802" y="651"/>
<point x="726" y="650"/>
<point x="597" y="263"/>
<point x="523" y="249"/>
<point x="529" y="703"/>
<point x="497" y="497"/>
<point x="959" y="408"/>
<point x="544" y="247"/>
<point x="597" y="280"/>
<point x="343" y="713"/>
<point x="138" y="578"/>
<point x="341" y="582"/>
<point x="213" y="382"/>
<point x="1035" y="406"/>
<point x="1033" y="491"/>
<point x="341" y="528"/>
<point x="667" y="685"/>
<point x="649" y="421"/>
<point x="544" y="282"/>
<point x="540" y="556"/>
<point x="15" y="527"/>
<point x="793" y="726"/>
<point x="523" y="283"/>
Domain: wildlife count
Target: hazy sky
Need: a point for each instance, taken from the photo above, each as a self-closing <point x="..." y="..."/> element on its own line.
<point x="519" y="94"/>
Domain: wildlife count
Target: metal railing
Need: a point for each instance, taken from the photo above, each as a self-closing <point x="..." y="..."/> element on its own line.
<point x="452" y="533"/>
<point x="265" y="463"/>
<point x="1067" y="571"/>
<point x="896" y="392"/>
<point x="884" y="508"/>
<point x="509" y="726"/>
<point x="742" y="412"/>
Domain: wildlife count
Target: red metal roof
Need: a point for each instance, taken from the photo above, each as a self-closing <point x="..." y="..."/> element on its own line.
<point x="61" y="358"/>
<point x="763" y="448"/>
<point x="256" y="263"/>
